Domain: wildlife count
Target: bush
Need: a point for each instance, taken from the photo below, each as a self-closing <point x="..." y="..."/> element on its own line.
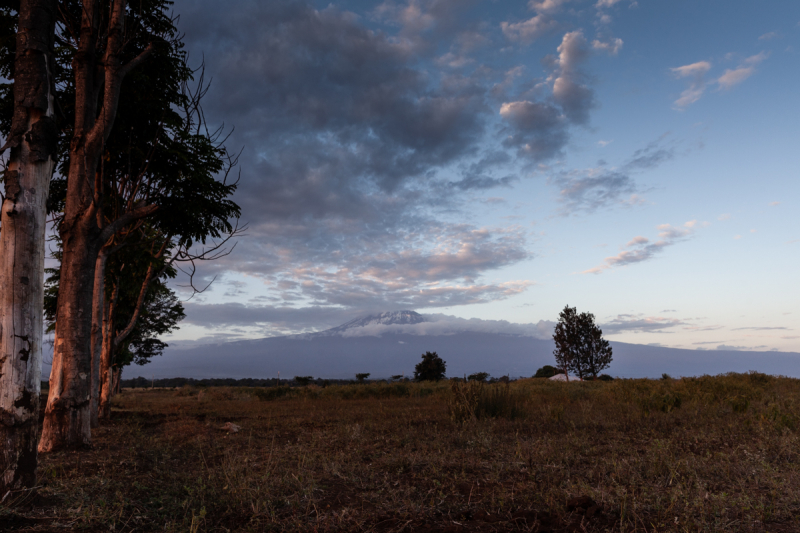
<point x="431" y="368"/>
<point x="547" y="371"/>
<point x="605" y="377"/>
<point x="303" y="380"/>
<point x="478" y="376"/>
<point x="361" y="378"/>
<point x="271" y="393"/>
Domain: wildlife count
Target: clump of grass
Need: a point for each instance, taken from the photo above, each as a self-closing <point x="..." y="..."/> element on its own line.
<point x="474" y="400"/>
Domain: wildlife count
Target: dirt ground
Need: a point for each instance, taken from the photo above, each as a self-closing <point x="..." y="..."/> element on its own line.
<point x="707" y="454"/>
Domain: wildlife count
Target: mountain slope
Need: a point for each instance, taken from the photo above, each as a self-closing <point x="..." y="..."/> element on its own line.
<point x="337" y="356"/>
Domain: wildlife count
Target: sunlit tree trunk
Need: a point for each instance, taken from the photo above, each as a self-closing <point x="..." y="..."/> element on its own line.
<point x="32" y="140"/>
<point x="98" y="81"/>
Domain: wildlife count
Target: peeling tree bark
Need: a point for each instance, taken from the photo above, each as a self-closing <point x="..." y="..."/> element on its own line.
<point x="32" y="140"/>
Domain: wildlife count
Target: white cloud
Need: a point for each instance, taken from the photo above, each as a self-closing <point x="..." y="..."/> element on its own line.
<point x="770" y="35"/>
<point x="692" y="70"/>
<point x="696" y="71"/>
<point x="528" y="30"/>
<point x="546" y="6"/>
<point x="641" y="249"/>
<point x="736" y="76"/>
<point x="606" y="3"/>
<point x="605" y="143"/>
<point x="613" y="46"/>
<point x="438" y="324"/>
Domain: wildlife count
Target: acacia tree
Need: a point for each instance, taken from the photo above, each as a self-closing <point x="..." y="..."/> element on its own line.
<point x="580" y="347"/>
<point x="32" y="140"/>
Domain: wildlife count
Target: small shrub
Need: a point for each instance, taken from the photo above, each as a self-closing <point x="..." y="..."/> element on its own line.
<point x="605" y="377"/>
<point x="463" y="401"/>
<point x="739" y="403"/>
<point x="478" y="376"/>
<point x="271" y="393"/>
<point x="666" y="377"/>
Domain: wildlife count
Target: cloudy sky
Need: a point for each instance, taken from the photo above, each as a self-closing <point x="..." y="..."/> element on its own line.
<point x="499" y="160"/>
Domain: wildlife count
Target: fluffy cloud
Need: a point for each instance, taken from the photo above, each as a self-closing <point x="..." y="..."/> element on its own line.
<point x="529" y="30"/>
<point x="546" y="6"/>
<point x="272" y="321"/>
<point x="540" y="129"/>
<point x="641" y="249"/>
<point x="612" y="46"/>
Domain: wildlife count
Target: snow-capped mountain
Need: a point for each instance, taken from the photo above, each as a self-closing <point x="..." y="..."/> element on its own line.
<point x="389" y="318"/>
<point x="391" y="343"/>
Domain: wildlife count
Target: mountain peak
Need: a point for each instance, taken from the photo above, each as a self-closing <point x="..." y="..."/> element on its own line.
<point x="385" y="318"/>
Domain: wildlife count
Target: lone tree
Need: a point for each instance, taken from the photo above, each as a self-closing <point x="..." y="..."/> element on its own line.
<point x="431" y="368"/>
<point x="362" y="377"/>
<point x="580" y="346"/>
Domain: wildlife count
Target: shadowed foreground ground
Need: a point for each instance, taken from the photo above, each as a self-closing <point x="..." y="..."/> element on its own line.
<point x="707" y="454"/>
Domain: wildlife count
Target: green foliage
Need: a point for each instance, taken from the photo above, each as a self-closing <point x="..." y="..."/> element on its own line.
<point x="547" y="371"/>
<point x="478" y="376"/>
<point x="361" y="378"/>
<point x="580" y="347"/>
<point x="605" y="377"/>
<point x="303" y="380"/>
<point x="431" y="368"/>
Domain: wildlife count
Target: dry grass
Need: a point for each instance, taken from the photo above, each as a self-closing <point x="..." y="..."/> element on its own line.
<point x="706" y="454"/>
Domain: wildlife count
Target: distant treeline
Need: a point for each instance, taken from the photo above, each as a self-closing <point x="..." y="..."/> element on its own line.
<point x="142" y="383"/>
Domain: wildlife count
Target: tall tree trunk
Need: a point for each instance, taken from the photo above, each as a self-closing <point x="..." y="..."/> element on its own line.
<point x="98" y="322"/>
<point x="98" y="81"/>
<point x="32" y="140"/>
<point x="106" y="369"/>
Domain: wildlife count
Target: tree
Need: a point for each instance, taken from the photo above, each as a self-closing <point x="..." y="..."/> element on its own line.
<point x="33" y="142"/>
<point x="158" y="165"/>
<point x="478" y="376"/>
<point x="580" y="346"/>
<point x="361" y="378"/>
<point x="431" y="368"/>
<point x="547" y="371"/>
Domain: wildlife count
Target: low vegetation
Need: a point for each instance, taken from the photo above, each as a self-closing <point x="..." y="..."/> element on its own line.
<point x="694" y="454"/>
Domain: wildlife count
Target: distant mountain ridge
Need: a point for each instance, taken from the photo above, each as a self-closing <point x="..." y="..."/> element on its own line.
<point x="391" y="343"/>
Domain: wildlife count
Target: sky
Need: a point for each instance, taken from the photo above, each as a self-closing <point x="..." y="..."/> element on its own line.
<point x="499" y="160"/>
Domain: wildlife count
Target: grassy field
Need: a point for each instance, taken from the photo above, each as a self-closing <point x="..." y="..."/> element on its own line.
<point x="696" y="454"/>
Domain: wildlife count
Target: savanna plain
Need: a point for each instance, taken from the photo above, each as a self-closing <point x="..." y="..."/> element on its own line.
<point x="717" y="453"/>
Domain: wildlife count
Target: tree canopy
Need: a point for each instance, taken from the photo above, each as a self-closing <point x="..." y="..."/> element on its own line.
<point x="580" y="347"/>
<point x="431" y="368"/>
